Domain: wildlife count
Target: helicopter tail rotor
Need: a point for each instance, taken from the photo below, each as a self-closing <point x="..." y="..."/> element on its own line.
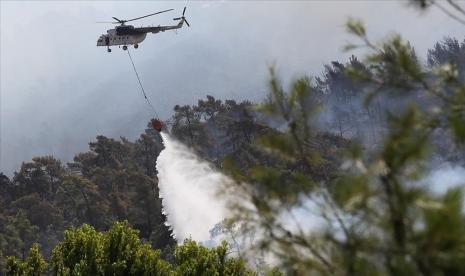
<point x="182" y="17"/>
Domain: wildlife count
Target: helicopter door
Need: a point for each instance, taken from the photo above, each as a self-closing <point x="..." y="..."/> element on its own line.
<point x="107" y="40"/>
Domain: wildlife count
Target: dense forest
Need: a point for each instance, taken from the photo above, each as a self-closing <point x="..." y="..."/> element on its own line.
<point x="352" y="140"/>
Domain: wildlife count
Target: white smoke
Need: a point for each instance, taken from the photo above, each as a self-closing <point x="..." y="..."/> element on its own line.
<point x="189" y="187"/>
<point x="445" y="177"/>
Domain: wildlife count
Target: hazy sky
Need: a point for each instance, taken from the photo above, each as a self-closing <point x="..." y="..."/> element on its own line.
<point x="59" y="91"/>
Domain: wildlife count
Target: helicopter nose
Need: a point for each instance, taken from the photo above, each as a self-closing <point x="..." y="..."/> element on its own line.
<point x="100" y="42"/>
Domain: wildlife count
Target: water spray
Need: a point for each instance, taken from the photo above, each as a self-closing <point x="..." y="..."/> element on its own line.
<point x="189" y="189"/>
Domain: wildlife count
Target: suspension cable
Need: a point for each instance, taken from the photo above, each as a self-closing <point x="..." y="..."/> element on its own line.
<point x="142" y="87"/>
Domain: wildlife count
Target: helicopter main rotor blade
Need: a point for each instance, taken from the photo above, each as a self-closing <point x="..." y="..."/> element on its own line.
<point x="177" y="18"/>
<point x="117" y="19"/>
<point x="183" y="11"/>
<point x="187" y="22"/>
<point x="147" y="15"/>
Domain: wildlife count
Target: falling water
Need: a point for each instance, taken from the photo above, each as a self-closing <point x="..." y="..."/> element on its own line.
<point x="189" y="186"/>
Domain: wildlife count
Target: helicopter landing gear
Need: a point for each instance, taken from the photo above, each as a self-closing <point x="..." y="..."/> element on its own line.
<point x="125" y="47"/>
<point x="136" y="46"/>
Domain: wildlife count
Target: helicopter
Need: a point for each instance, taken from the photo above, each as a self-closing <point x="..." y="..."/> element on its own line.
<point x="129" y="35"/>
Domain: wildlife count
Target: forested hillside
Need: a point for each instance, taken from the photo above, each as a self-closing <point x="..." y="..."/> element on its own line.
<point x="290" y="148"/>
<point x="116" y="179"/>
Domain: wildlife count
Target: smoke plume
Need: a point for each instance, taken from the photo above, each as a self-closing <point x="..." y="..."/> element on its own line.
<point x="445" y="177"/>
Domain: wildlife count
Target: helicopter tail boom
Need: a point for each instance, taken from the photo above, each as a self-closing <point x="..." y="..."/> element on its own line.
<point x="161" y="28"/>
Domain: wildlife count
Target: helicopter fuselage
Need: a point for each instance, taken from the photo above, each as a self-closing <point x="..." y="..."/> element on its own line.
<point x="115" y="37"/>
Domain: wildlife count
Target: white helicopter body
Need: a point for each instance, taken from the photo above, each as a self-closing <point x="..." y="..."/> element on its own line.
<point x="124" y="35"/>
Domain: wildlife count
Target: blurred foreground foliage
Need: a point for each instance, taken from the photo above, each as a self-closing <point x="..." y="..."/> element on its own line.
<point x="370" y="216"/>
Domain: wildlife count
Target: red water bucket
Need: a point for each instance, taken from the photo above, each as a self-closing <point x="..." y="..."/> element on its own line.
<point x="157" y="124"/>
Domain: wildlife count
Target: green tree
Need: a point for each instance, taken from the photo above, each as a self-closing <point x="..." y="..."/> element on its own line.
<point x="124" y="253"/>
<point x="18" y="234"/>
<point x="34" y="265"/>
<point x="342" y="99"/>
<point x="80" y="253"/>
<point x="82" y="202"/>
<point x="119" y="183"/>
<point x="119" y="251"/>
<point x="39" y="212"/>
<point x="147" y="149"/>
<point x="42" y="176"/>
<point x="195" y="259"/>
<point x="209" y="108"/>
<point x="450" y="50"/>
<point x="188" y="128"/>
